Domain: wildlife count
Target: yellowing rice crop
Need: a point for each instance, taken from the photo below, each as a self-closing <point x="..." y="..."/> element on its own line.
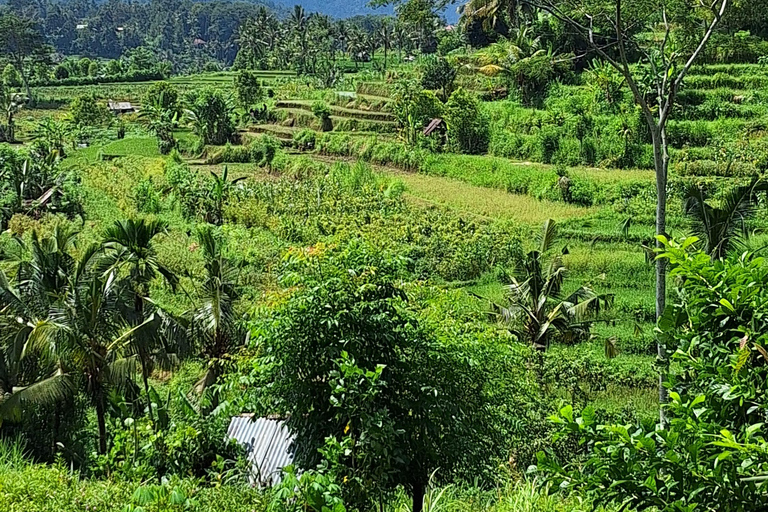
<point x="488" y="202"/>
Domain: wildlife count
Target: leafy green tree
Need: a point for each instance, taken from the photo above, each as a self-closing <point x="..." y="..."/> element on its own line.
<point x="711" y="455"/>
<point x="23" y="44"/>
<point x="85" y="110"/>
<point x="617" y="32"/>
<point x="468" y="126"/>
<point x="60" y="72"/>
<point x="11" y="77"/>
<point x="352" y="366"/>
<point x="722" y="226"/>
<point x="83" y="66"/>
<point x="421" y="19"/>
<point x="93" y="69"/>
<point x="114" y="68"/>
<point x="163" y="95"/>
<point x="438" y="74"/>
<point x="537" y="308"/>
<point x="248" y="90"/>
<point x="210" y="115"/>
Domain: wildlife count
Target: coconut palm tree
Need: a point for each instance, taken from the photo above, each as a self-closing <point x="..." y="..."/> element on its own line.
<point x="213" y="322"/>
<point x="341" y="33"/>
<point x="89" y="329"/>
<point x="495" y="13"/>
<point x="537" y="307"/>
<point x="721" y="227"/>
<point x="522" y="62"/>
<point x="385" y="37"/>
<point x="28" y="377"/>
<point x="68" y="317"/>
<point x="129" y="244"/>
<point x="402" y="39"/>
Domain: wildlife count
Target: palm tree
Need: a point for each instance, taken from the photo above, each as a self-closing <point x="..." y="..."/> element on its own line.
<point x="28" y="377"/>
<point x="522" y="61"/>
<point x="537" y="308"/>
<point x="724" y="226"/>
<point x="128" y="243"/>
<point x="493" y="12"/>
<point x="402" y="38"/>
<point x="342" y="36"/>
<point x="298" y="23"/>
<point x="88" y="328"/>
<point x="68" y="316"/>
<point x="385" y="38"/>
<point x="213" y="321"/>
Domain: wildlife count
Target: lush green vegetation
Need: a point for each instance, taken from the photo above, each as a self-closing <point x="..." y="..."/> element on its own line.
<point x="430" y="251"/>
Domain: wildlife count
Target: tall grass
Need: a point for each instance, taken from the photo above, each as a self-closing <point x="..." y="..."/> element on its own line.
<point x="12" y="454"/>
<point x="512" y="496"/>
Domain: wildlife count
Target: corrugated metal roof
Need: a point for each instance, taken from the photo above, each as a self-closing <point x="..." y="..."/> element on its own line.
<point x="120" y="106"/>
<point x="269" y="446"/>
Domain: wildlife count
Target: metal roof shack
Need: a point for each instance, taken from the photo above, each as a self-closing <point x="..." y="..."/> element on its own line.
<point x="121" y="107"/>
<point x="269" y="446"/>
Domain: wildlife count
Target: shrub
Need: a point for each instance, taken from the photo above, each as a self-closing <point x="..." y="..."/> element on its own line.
<point x="211" y="117"/>
<point x="468" y="130"/>
<point x="85" y="110"/>
<point x="305" y="139"/>
<point x="715" y="334"/>
<point x="11" y="77"/>
<point x="248" y="89"/>
<point x="163" y="96"/>
<point x="438" y="74"/>
<point x="352" y="396"/>
<point x="322" y="112"/>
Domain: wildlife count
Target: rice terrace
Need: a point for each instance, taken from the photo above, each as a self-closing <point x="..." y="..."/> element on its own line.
<point x="397" y="256"/>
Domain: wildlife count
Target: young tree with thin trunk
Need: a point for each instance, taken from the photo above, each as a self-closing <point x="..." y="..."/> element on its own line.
<point x="24" y="46"/>
<point x="653" y="46"/>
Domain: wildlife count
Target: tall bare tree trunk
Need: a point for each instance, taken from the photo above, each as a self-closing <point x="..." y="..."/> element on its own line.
<point x="661" y="164"/>
<point x="101" y="418"/>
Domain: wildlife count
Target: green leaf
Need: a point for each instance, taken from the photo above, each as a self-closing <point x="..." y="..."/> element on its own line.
<point x="726" y="304"/>
<point x="650" y="482"/>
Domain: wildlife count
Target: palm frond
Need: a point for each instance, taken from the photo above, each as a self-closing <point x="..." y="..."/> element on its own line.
<point x="44" y="392"/>
<point x="548" y="235"/>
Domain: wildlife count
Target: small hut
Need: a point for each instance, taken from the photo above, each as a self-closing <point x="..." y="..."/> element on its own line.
<point x="120" y="107"/>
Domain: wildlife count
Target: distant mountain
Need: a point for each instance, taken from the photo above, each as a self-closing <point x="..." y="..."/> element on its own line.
<point x="349" y="8"/>
<point x="337" y="8"/>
